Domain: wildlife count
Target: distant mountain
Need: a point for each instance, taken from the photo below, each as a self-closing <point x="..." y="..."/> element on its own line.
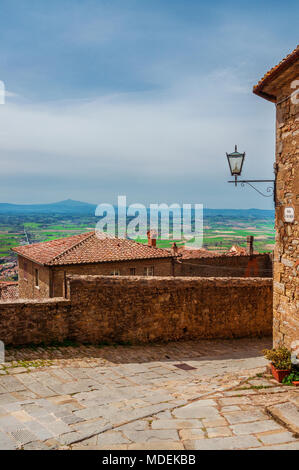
<point x="70" y="207"/>
<point x="248" y="213"/>
<point x="67" y="207"/>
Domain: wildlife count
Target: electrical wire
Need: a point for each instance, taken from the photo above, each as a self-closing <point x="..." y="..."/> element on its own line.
<point x="227" y="268"/>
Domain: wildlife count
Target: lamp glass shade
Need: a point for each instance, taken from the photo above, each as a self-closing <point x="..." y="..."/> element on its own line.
<point x="235" y="161"/>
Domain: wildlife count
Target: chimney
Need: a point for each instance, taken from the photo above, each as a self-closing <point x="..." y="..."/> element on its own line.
<point x="249" y="248"/>
<point x="151" y="239"/>
<point x="174" y="249"/>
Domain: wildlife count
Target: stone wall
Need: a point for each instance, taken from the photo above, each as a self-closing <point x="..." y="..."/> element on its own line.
<point x="286" y="253"/>
<point x="142" y="309"/>
<point x="26" y="280"/>
<point x="226" y="266"/>
<point x="34" y="321"/>
<point x="52" y="280"/>
<point x="9" y="290"/>
<point x="162" y="267"/>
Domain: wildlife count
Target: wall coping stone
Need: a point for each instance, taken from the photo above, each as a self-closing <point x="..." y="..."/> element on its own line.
<point x="54" y="300"/>
<point x="169" y="279"/>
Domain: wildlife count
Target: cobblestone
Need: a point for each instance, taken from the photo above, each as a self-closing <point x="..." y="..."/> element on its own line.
<point x="6" y="442"/>
<point x="255" y="427"/>
<point x="136" y="398"/>
<point x="176" y="424"/>
<point x="195" y="410"/>
<point x="224" y="443"/>
<point x="236" y="417"/>
<point x="222" y="431"/>
<point x="277" y="438"/>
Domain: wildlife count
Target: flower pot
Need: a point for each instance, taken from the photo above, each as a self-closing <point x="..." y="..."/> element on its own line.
<point x="296" y="383"/>
<point x="279" y="374"/>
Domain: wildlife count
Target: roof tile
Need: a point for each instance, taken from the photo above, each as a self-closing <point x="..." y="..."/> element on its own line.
<point x="198" y="253"/>
<point x="274" y="72"/>
<point x="89" y="248"/>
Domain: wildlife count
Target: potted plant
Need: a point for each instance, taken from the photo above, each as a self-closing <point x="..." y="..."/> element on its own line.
<point x="292" y="378"/>
<point x="280" y="362"/>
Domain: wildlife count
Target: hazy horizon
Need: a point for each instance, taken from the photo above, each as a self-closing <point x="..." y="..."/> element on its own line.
<point x="92" y="203"/>
<point x="136" y="98"/>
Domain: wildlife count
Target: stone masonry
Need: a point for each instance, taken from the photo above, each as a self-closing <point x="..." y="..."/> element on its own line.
<point x="55" y="276"/>
<point x="144" y="397"/>
<point x="277" y="86"/>
<point x="9" y="290"/>
<point x="257" y="265"/>
<point x="141" y="310"/>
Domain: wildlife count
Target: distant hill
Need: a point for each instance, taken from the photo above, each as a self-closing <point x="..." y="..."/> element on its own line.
<point x="70" y="207"/>
<point x="248" y="213"/>
<point x="67" y="207"/>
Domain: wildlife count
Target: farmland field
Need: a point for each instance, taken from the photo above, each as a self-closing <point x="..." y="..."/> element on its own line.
<point x="220" y="232"/>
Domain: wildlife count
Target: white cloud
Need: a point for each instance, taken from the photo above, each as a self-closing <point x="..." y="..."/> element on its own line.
<point x="144" y="134"/>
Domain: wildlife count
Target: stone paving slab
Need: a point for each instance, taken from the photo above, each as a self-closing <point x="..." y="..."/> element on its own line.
<point x="288" y="414"/>
<point x="277" y="438"/>
<point x="6" y="442"/>
<point x="195" y="410"/>
<point x="236" y="417"/>
<point x="255" y="427"/>
<point x="292" y="446"/>
<point x="223" y="443"/>
<point x="136" y="398"/>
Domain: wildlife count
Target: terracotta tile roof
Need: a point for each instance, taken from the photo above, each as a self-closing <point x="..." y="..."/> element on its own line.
<point x="88" y="248"/>
<point x="199" y="253"/>
<point x="237" y="250"/>
<point x="274" y="72"/>
<point x="8" y="283"/>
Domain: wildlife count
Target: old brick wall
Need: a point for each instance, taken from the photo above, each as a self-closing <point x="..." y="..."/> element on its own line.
<point x="26" y="279"/>
<point x="34" y="321"/>
<point x="142" y="309"/>
<point x="9" y="290"/>
<point x="163" y="309"/>
<point x="286" y="254"/>
<point x="52" y="281"/>
<point x="162" y="267"/>
<point x="227" y="266"/>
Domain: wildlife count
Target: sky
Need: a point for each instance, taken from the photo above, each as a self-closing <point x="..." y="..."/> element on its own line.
<point x="141" y="98"/>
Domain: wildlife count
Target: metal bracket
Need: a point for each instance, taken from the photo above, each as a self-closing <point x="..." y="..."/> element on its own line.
<point x="270" y="189"/>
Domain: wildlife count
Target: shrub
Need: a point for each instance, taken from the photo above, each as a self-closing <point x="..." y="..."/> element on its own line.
<point x="293" y="376"/>
<point x="280" y="358"/>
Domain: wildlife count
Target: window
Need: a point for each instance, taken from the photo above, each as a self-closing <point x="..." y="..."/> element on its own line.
<point x="132" y="271"/>
<point x="115" y="272"/>
<point x="149" y="271"/>
<point x="36" y="277"/>
<point x="25" y="271"/>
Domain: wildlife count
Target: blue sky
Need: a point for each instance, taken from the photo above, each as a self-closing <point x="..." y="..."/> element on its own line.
<point x="141" y="98"/>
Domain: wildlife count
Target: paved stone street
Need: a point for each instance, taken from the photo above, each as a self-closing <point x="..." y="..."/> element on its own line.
<point x="186" y="395"/>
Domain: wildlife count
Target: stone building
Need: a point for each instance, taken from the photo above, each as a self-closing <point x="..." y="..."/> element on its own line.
<point x="43" y="267"/>
<point x="281" y="86"/>
<point x="236" y="262"/>
<point x="205" y="263"/>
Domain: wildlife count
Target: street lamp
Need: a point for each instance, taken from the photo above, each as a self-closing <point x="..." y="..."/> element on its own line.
<point x="236" y="161"/>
